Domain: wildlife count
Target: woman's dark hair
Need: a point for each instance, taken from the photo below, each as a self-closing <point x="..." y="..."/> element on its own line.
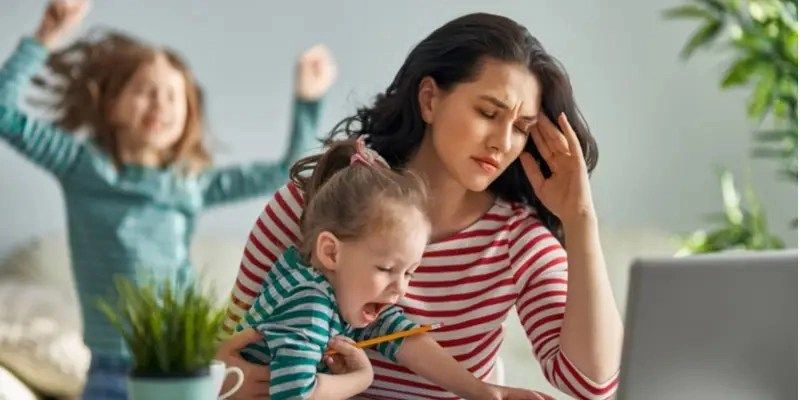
<point x="454" y="54"/>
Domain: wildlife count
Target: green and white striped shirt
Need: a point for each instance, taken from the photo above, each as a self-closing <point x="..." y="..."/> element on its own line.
<point x="297" y="314"/>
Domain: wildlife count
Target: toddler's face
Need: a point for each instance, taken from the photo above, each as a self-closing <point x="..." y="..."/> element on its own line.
<point x="151" y="109"/>
<point x="373" y="272"/>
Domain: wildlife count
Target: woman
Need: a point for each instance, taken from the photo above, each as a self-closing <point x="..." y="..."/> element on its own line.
<point x="506" y="212"/>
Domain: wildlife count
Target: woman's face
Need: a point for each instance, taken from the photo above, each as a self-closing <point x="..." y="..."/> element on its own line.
<point x="478" y="128"/>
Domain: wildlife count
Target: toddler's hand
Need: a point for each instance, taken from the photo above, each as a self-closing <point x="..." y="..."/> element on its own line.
<point x="348" y="357"/>
<point x="509" y="393"/>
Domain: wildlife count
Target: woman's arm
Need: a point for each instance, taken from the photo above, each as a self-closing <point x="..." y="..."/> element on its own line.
<point x="583" y="348"/>
<point x="590" y="305"/>
<point x="539" y="263"/>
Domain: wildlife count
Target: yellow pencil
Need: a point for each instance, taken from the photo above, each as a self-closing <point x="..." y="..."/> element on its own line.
<point x="397" y="335"/>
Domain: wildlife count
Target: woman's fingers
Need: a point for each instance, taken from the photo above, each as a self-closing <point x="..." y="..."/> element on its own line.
<point x="570" y="135"/>
<point x="532" y="170"/>
<point x="554" y="137"/>
<point x="541" y="145"/>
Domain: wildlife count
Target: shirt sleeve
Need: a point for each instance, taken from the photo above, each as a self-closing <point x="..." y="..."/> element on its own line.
<point x="297" y="334"/>
<point x="42" y="143"/>
<point x="540" y="265"/>
<point x="390" y="321"/>
<point x="19" y="68"/>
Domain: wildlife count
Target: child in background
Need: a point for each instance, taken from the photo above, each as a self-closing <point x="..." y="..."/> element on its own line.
<point x="135" y="186"/>
<point x="364" y="230"/>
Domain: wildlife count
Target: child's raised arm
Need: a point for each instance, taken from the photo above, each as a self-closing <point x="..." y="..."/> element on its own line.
<point x="40" y="142"/>
<point x="59" y="19"/>
<point x="314" y="75"/>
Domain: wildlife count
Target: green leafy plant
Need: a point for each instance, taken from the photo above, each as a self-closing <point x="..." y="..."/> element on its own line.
<point x="743" y="228"/>
<point x="762" y="36"/>
<point x="168" y="330"/>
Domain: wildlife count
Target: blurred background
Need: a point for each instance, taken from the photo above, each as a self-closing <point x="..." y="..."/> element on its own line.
<point x="662" y="124"/>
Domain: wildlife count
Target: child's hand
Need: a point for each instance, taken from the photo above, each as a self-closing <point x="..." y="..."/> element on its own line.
<point x="509" y="393"/>
<point x="60" y="17"/>
<point x="348" y="357"/>
<point x="315" y="73"/>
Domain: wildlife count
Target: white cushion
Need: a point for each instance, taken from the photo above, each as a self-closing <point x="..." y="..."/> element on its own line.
<point x="11" y="388"/>
<point x="43" y="260"/>
<point x="40" y="339"/>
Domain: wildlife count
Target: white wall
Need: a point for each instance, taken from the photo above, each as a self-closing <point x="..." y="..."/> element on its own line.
<point x="661" y="124"/>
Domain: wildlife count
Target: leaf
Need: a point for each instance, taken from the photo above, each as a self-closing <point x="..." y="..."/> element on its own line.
<point x="687" y="11"/>
<point x="739" y="72"/>
<point x="168" y="328"/>
<point x="730" y="198"/>
<point x="770" y="152"/>
<point x="703" y="36"/>
<point x="762" y="94"/>
<point x="716" y="5"/>
<point x="775" y="135"/>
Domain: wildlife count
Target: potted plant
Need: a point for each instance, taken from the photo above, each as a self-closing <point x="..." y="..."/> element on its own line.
<point x="761" y="36"/>
<point x="171" y="334"/>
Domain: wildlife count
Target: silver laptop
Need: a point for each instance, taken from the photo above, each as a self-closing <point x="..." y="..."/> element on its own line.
<point x="720" y="326"/>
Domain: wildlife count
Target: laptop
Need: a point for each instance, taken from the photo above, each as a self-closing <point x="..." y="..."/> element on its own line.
<point x="718" y="326"/>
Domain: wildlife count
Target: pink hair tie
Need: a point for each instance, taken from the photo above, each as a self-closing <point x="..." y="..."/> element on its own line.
<point x="366" y="156"/>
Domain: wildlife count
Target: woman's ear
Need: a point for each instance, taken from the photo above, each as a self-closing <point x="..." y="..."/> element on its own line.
<point x="428" y="98"/>
<point x="327" y="249"/>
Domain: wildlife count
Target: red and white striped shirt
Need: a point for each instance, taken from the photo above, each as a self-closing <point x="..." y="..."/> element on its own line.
<point x="468" y="281"/>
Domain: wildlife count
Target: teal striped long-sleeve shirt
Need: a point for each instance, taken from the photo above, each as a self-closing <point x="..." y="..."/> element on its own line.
<point x="297" y="315"/>
<point x="130" y="220"/>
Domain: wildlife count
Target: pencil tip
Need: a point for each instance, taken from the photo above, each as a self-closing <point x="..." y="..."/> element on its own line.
<point x="436" y="325"/>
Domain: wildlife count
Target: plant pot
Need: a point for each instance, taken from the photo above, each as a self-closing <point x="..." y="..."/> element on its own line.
<point x="194" y="386"/>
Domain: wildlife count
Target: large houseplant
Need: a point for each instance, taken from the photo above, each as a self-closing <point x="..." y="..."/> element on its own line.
<point x="761" y="35"/>
<point x="171" y="334"/>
